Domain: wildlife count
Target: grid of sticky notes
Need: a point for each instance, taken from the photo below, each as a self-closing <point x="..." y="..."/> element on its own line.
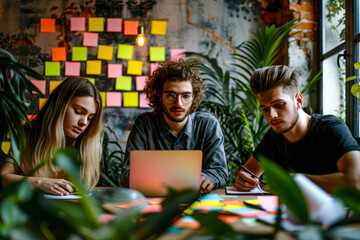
<point x="93" y="59"/>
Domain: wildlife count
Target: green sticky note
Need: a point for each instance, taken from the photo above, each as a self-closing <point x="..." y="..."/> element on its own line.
<point x="79" y="53"/>
<point x="93" y="67"/>
<point x="123" y="83"/>
<point x="157" y="54"/>
<point x="52" y="68"/>
<point x="134" y="67"/>
<point x="92" y="80"/>
<point x="125" y="51"/>
<point x="131" y="99"/>
<point x="103" y="98"/>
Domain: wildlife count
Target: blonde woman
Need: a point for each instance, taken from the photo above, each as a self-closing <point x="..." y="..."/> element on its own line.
<point x="71" y="117"/>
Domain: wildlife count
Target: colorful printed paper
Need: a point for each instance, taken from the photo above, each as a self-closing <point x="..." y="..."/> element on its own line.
<point x="114" y="24"/>
<point x="114" y="70"/>
<point x="134" y="67"/>
<point x="96" y="24"/>
<point x="58" y="54"/>
<point x="125" y="51"/>
<point x="90" y="39"/>
<point x="52" y="68"/>
<point x="93" y="67"/>
<point x="157" y="54"/>
<point x="123" y="83"/>
<point x="158" y="27"/>
<point x="177" y="54"/>
<point x="5" y="146"/>
<point x="143" y="102"/>
<point x="79" y="53"/>
<point x="131" y="99"/>
<point x="47" y="25"/>
<point x="113" y="99"/>
<point x="40" y="84"/>
<point x="72" y="68"/>
<point x="105" y="52"/>
<point x="53" y="85"/>
<point x="77" y="24"/>
<point x="140" y="82"/>
<point x="131" y="27"/>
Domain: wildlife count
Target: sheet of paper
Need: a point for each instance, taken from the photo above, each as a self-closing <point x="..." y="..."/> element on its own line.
<point x="40" y="84"/>
<point x="125" y="51"/>
<point x="105" y="52"/>
<point x="143" y="102"/>
<point x="131" y="27"/>
<point x="79" y="53"/>
<point x="258" y="190"/>
<point x="123" y="83"/>
<point x="114" y="24"/>
<point x="90" y="39"/>
<point x="177" y="54"/>
<point x="113" y="99"/>
<point x="67" y="197"/>
<point x="93" y="67"/>
<point x="58" y="54"/>
<point x="158" y="27"/>
<point x="77" y="24"/>
<point x="52" y="68"/>
<point x="157" y="54"/>
<point x="134" y="67"/>
<point x="114" y="70"/>
<point x="72" y="68"/>
<point x="131" y="99"/>
<point x="47" y="25"/>
<point x="96" y="24"/>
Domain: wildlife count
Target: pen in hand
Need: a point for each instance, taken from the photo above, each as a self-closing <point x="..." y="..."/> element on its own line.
<point x="252" y="174"/>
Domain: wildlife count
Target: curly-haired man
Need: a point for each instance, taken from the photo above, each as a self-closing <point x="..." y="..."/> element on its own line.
<point x="174" y="90"/>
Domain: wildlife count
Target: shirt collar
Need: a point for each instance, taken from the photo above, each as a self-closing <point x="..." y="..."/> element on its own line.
<point x="165" y="130"/>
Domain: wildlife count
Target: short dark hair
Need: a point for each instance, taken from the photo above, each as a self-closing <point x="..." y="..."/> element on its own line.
<point x="174" y="71"/>
<point x="267" y="78"/>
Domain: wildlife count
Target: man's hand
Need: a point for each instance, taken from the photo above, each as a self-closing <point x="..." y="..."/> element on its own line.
<point x="245" y="182"/>
<point x="206" y="185"/>
<point x="54" y="186"/>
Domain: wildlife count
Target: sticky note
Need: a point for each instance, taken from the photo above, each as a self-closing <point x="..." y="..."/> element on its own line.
<point x="58" y="54"/>
<point x="77" y="24"/>
<point x="40" y="84"/>
<point x="131" y="99"/>
<point x="158" y="27"/>
<point x="125" y="51"/>
<point x="105" y="52"/>
<point x="42" y="102"/>
<point x="47" y="25"/>
<point x="53" y="85"/>
<point x="113" y="99"/>
<point x="79" y="53"/>
<point x="72" y="68"/>
<point x="143" y="102"/>
<point x="52" y="68"/>
<point x="123" y="83"/>
<point x="114" y="70"/>
<point x="103" y="98"/>
<point x="153" y="67"/>
<point x="90" y="39"/>
<point x="5" y="146"/>
<point x="96" y="24"/>
<point x="131" y="27"/>
<point x="93" y="67"/>
<point x="177" y="54"/>
<point x="134" y="67"/>
<point x="92" y="80"/>
<point x="157" y="54"/>
<point x="114" y="24"/>
<point x="140" y="82"/>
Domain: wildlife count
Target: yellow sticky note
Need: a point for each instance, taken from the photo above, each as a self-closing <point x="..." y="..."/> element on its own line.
<point x="92" y="80"/>
<point x="212" y="203"/>
<point x="42" y="102"/>
<point x="79" y="53"/>
<point x="53" y="85"/>
<point x="157" y="54"/>
<point x="131" y="99"/>
<point x="158" y="27"/>
<point x="93" y="67"/>
<point x="52" y="68"/>
<point x="103" y="98"/>
<point x="123" y="83"/>
<point x="96" y="24"/>
<point x="105" y="52"/>
<point x="134" y="67"/>
<point x="5" y="146"/>
<point x="125" y="51"/>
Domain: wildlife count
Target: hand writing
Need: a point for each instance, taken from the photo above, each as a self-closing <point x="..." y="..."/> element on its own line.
<point x="245" y="182"/>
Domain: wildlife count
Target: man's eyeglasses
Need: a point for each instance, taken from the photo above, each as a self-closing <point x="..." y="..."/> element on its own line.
<point x="171" y="97"/>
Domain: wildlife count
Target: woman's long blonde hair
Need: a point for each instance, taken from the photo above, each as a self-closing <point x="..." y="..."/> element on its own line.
<point x="47" y="133"/>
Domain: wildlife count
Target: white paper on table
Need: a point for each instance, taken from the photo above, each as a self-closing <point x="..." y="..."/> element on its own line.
<point x="65" y="197"/>
<point x="257" y="190"/>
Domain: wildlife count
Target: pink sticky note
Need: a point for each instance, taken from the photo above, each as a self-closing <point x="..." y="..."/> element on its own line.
<point x="77" y="24"/>
<point x="177" y="54"/>
<point x="140" y="82"/>
<point x="152" y="209"/>
<point x="90" y="39"/>
<point x="113" y="99"/>
<point x="114" y="70"/>
<point x="268" y="202"/>
<point x="72" y="68"/>
<point x="153" y="67"/>
<point x="40" y="84"/>
<point x="143" y="102"/>
<point x="114" y="24"/>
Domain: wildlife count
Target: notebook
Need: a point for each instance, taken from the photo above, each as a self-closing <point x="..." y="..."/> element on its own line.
<point x="152" y="171"/>
<point x="256" y="191"/>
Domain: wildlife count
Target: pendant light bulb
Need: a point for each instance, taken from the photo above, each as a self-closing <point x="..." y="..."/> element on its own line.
<point x="140" y="39"/>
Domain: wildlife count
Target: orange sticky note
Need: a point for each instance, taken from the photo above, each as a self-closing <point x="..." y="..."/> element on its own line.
<point x="93" y="67"/>
<point x="158" y="27"/>
<point x="131" y="99"/>
<point x="96" y="24"/>
<point x="114" y="70"/>
<point x="134" y="67"/>
<point x="72" y="68"/>
<point x="77" y="24"/>
<point x="113" y="99"/>
<point x="53" y="85"/>
<point x="131" y="27"/>
<point x="47" y="25"/>
<point x="114" y="24"/>
<point x="105" y="52"/>
<point x="40" y="84"/>
<point x="58" y="54"/>
<point x="90" y="39"/>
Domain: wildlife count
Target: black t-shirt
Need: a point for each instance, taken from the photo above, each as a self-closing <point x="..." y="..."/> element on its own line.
<point x="316" y="153"/>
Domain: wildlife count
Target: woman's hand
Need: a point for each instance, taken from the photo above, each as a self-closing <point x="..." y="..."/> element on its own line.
<point x="54" y="186"/>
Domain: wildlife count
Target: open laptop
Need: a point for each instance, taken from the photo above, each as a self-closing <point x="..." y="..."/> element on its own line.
<point x="151" y="171"/>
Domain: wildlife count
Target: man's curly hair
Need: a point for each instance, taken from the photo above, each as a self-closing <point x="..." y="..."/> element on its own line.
<point x="174" y="71"/>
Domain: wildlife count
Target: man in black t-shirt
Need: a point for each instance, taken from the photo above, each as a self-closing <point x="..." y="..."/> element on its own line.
<point x="319" y="146"/>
